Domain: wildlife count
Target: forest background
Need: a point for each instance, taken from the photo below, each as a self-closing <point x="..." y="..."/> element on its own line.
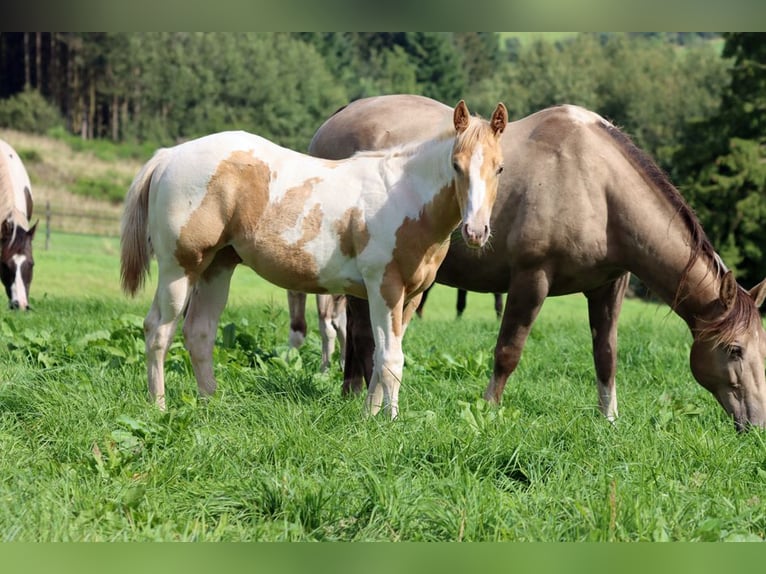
<point x="696" y="102"/>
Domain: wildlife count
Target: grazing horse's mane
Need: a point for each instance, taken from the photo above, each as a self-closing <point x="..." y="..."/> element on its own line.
<point x="725" y="329"/>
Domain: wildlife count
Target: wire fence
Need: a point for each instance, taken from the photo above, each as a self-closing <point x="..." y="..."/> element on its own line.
<point x="73" y="220"/>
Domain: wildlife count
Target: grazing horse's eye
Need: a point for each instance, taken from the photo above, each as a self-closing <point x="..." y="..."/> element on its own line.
<point x="499" y="170"/>
<point x="734" y="351"/>
<point x="456" y="167"/>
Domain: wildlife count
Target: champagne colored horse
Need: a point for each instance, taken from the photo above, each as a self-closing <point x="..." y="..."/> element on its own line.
<point x="375" y="226"/>
<point x="16" y="261"/>
<point x="579" y="207"/>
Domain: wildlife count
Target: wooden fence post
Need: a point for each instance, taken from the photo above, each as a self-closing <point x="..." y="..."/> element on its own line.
<point x="47" y="224"/>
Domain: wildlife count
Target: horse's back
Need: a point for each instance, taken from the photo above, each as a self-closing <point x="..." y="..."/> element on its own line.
<point x="377" y="123"/>
<point x="15" y="187"/>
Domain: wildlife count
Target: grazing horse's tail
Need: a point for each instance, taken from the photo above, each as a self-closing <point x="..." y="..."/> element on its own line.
<point x="135" y="243"/>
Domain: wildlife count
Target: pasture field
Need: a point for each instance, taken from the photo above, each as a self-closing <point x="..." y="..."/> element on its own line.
<point x="279" y="455"/>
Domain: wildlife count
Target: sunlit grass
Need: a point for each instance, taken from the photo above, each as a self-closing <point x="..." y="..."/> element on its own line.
<point x="278" y="454"/>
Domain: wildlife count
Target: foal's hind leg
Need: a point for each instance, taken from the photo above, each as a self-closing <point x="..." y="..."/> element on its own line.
<point x="160" y="326"/>
<point x="206" y="304"/>
<point x="604" y="305"/>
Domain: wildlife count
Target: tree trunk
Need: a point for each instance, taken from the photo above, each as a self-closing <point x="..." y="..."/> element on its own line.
<point x="91" y="108"/>
<point x="27" y="71"/>
<point x="39" y="61"/>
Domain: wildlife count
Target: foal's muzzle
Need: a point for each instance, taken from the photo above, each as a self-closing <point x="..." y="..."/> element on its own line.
<point x="475" y="236"/>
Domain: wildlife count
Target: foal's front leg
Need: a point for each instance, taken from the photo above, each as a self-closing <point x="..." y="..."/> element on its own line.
<point x="388" y="359"/>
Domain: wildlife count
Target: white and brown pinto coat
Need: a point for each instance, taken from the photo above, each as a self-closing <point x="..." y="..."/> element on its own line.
<point x="376" y="226"/>
<point x="578" y="207"/>
<point x="16" y="261"/>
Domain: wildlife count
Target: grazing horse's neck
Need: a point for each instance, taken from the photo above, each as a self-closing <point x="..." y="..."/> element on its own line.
<point x="663" y="255"/>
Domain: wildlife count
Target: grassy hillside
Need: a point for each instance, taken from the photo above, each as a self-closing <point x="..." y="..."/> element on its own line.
<point x="83" y="189"/>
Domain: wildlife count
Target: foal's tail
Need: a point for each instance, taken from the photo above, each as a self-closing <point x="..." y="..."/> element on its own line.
<point x="135" y="243"/>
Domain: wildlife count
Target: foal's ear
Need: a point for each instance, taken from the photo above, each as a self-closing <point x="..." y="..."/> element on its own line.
<point x="461" y="117"/>
<point x="758" y="293"/>
<point x="499" y="119"/>
<point x="728" y="292"/>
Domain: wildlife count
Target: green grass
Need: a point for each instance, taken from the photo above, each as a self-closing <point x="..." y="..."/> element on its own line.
<point x="278" y="454"/>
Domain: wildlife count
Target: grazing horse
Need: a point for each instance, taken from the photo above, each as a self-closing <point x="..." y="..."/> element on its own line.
<point x="376" y="226"/>
<point x="579" y="207"/>
<point x="16" y="261"/>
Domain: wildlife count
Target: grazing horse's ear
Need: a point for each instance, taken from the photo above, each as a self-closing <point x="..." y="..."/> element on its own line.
<point x="6" y="229"/>
<point x="499" y="119"/>
<point x="758" y="293"/>
<point x="31" y="232"/>
<point x="728" y="292"/>
<point x="28" y="197"/>
<point x="461" y="117"/>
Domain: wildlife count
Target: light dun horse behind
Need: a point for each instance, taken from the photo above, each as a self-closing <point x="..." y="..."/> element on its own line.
<point x="578" y="207"/>
<point x="376" y="226"/>
<point x="16" y="261"/>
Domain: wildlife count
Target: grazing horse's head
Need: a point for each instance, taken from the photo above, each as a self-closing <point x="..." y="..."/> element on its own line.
<point x="16" y="262"/>
<point x="477" y="160"/>
<point x="728" y="353"/>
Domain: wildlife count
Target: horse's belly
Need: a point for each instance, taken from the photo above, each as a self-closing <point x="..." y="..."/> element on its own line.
<point x="296" y="269"/>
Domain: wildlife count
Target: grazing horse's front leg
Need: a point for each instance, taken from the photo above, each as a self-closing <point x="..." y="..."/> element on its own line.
<point x="388" y="360"/>
<point x="206" y="304"/>
<point x="604" y="305"/>
<point x="160" y="325"/>
<point x="526" y="295"/>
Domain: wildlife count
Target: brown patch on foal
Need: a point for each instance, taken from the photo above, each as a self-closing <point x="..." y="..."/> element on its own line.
<point x="418" y="252"/>
<point x="352" y="232"/>
<point x="240" y="180"/>
<point x="281" y="262"/>
<point x="236" y="212"/>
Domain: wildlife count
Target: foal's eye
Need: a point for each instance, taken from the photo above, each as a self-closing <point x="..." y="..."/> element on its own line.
<point x="456" y="167"/>
<point x="499" y="170"/>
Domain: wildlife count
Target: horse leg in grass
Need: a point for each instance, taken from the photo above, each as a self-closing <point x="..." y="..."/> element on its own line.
<point x="296" y="304"/>
<point x="498" y="304"/>
<point x="462" y="294"/>
<point x="206" y="304"/>
<point x="339" y="321"/>
<point x="604" y="305"/>
<point x="160" y="326"/>
<point x="331" y="310"/>
<point x="388" y="361"/>
<point x="526" y="295"/>
<point x="357" y="370"/>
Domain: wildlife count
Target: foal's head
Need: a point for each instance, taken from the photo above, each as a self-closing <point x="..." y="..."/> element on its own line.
<point x="727" y="356"/>
<point x="16" y="262"/>
<point x="477" y="159"/>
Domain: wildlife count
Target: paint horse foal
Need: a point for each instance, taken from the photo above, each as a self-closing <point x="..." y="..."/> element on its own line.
<point x="578" y="207"/>
<point x="16" y="261"/>
<point x="376" y="226"/>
